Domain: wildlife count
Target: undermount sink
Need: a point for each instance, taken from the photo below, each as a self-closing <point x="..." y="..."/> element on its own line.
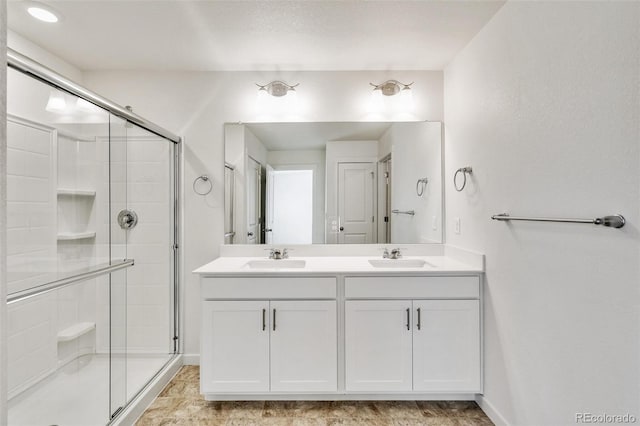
<point x="398" y="263"/>
<point x="276" y="264"/>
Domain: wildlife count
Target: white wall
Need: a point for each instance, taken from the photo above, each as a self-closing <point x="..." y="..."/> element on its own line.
<point x="3" y="214"/>
<point x="196" y="104"/>
<point x="37" y="53"/>
<point x="313" y="159"/>
<point x="544" y="104"/>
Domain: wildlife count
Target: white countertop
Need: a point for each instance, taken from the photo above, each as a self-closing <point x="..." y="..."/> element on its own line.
<point x="437" y="265"/>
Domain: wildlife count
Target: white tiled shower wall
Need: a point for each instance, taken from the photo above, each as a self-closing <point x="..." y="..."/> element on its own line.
<point x="31" y="220"/>
<point x="31" y="250"/>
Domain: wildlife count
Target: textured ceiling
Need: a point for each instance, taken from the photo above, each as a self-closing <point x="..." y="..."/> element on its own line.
<point x="256" y="35"/>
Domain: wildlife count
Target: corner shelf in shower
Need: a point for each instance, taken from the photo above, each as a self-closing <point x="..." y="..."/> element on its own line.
<point x="68" y="236"/>
<point x="75" y="331"/>
<point x="76" y="192"/>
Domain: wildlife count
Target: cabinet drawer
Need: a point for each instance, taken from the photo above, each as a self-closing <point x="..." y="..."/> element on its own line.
<point x="269" y="288"/>
<point x="412" y="287"/>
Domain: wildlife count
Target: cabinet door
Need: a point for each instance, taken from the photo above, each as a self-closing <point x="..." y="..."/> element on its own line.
<point x="235" y="347"/>
<point x="378" y="345"/>
<point x="446" y="346"/>
<point x="304" y="346"/>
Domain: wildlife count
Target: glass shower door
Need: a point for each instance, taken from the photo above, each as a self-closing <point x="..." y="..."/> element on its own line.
<point x="143" y="223"/>
<point x="88" y="326"/>
<point x="117" y="286"/>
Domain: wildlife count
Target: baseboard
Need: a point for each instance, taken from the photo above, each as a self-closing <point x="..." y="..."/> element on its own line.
<point x="140" y="403"/>
<point x="191" y="359"/>
<point x="491" y="411"/>
<point x="339" y="396"/>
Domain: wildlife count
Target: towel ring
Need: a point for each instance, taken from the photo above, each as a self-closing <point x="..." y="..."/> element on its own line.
<point x="203" y="178"/>
<point x="421" y="184"/>
<point x="464" y="171"/>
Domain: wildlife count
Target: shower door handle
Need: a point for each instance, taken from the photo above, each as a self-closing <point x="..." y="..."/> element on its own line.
<point x="127" y="219"/>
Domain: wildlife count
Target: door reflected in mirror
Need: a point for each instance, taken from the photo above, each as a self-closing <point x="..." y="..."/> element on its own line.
<point x="333" y="183"/>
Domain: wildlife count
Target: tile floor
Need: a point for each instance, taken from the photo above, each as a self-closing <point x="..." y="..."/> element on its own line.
<point x="180" y="403"/>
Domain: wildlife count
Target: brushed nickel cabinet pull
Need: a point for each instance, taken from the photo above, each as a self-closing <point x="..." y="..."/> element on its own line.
<point x="274" y="319"/>
<point x="408" y="319"/>
<point x="264" y="319"/>
<point x="418" y="318"/>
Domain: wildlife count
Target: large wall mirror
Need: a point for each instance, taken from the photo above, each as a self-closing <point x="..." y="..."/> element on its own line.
<point x="333" y="183"/>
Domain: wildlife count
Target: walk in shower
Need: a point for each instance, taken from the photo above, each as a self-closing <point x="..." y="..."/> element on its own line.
<point x="92" y="235"/>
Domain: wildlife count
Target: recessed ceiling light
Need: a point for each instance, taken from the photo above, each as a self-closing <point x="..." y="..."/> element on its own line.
<point x="43" y="13"/>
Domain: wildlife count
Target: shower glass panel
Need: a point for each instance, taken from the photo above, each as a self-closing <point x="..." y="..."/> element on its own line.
<point x="116" y="181"/>
<point x="149" y="290"/>
<point x="91" y="303"/>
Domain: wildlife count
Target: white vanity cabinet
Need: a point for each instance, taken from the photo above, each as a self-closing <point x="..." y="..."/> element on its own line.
<point x="304" y="346"/>
<point x="378" y="345"/>
<point x="446" y="346"/>
<point x="235" y="346"/>
<point x="412" y="344"/>
<point x="274" y="345"/>
<point x="343" y="334"/>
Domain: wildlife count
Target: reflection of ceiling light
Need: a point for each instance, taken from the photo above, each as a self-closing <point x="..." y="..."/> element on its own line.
<point x="86" y="106"/>
<point x="276" y="88"/>
<point x="392" y="87"/>
<point x="56" y="102"/>
<point x="42" y="12"/>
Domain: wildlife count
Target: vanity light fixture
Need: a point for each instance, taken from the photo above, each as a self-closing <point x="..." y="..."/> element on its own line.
<point x="42" y="12"/>
<point x="393" y="87"/>
<point x="277" y="88"/>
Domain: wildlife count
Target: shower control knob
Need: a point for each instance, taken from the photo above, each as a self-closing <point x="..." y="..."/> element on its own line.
<point x="127" y="219"/>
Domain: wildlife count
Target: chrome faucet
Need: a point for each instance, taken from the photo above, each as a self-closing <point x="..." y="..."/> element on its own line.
<point x="394" y="254"/>
<point x="277" y="254"/>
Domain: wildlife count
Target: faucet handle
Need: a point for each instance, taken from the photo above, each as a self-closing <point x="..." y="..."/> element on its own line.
<point x="385" y="254"/>
<point x="272" y="252"/>
<point x="396" y="253"/>
<point x="285" y="253"/>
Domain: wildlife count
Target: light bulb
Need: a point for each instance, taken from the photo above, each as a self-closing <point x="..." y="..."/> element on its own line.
<point x="56" y="102"/>
<point x="406" y="94"/>
<point x="406" y="98"/>
<point x="376" y="102"/>
<point x="42" y="14"/>
<point x="86" y="106"/>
